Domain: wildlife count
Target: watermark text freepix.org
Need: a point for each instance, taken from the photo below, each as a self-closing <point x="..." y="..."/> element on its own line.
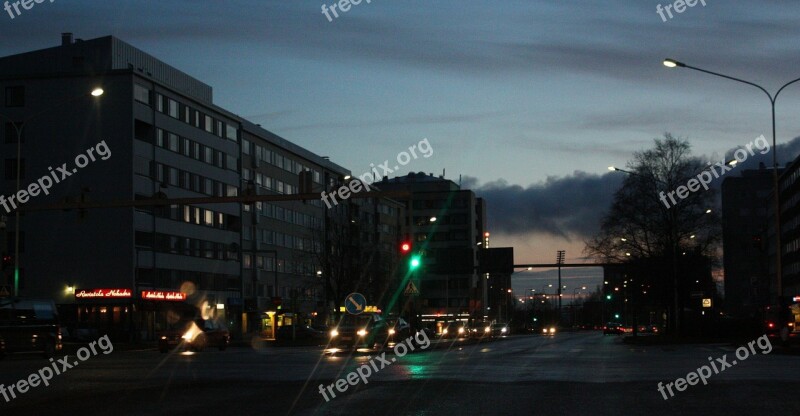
<point x="343" y="5"/>
<point x="363" y="373"/>
<point x="368" y="178"/>
<point x="26" y="4"/>
<point x="717" y="364"/>
<point x="705" y="177"/>
<point x="57" y="367"/>
<point x="679" y="6"/>
<point x="62" y="172"/>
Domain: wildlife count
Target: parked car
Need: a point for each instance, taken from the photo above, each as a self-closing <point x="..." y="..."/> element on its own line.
<point x="613" y="328"/>
<point x="366" y="330"/>
<point x="30" y="325"/>
<point x="195" y="335"/>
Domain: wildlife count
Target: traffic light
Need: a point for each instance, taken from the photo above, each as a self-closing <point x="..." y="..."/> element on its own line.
<point x="616" y="316"/>
<point x="405" y="247"/>
<point x="414" y="262"/>
<point x="608" y="297"/>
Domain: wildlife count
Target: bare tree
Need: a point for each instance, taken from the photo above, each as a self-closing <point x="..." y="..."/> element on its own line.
<point x="640" y="224"/>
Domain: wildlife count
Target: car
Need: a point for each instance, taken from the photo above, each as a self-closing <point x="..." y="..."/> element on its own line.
<point x="549" y="330"/>
<point x="480" y="330"/>
<point x="500" y="330"/>
<point x="366" y="330"/>
<point x="195" y="335"/>
<point x="454" y="329"/>
<point x="612" y="328"/>
<point x="30" y="325"/>
<point x="397" y="330"/>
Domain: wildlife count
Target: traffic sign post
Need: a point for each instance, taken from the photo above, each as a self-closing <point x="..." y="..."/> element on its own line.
<point x="355" y="303"/>
<point x="411" y="289"/>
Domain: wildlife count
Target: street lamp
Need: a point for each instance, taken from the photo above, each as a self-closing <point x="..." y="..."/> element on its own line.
<point x="19" y="128"/>
<point x="671" y="63"/>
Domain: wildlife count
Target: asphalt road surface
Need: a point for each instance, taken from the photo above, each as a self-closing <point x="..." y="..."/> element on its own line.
<point x="582" y="373"/>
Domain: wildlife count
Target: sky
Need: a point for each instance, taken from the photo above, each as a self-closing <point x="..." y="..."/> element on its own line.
<point x="525" y="102"/>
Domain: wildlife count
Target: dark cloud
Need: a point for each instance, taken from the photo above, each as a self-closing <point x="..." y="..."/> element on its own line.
<point x="561" y="206"/>
<point x="574" y="206"/>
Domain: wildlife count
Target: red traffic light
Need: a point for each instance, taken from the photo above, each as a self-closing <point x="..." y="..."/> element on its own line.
<point x="405" y="247"/>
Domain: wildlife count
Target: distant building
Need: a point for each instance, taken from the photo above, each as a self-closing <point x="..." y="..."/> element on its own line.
<point x="789" y="185"/>
<point x="745" y="200"/>
<point x="445" y="224"/>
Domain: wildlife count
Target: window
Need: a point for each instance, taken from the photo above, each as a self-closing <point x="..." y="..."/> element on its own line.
<point x="160" y="103"/>
<point x="173" y="142"/>
<point x="209" y="124"/>
<point x="15" y="96"/>
<point x="141" y="94"/>
<point x="173" y="176"/>
<point x="208" y="218"/>
<point x="208" y="189"/>
<point x="173" y="108"/>
<point x="219" y="130"/>
<point x="209" y="155"/>
<point x="246" y="147"/>
<point x="11" y="169"/>
<point x="231" y="163"/>
<point x="187" y="147"/>
<point x="196" y="118"/>
<point x="230" y="132"/>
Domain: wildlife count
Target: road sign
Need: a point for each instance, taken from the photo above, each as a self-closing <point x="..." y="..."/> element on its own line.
<point x="355" y="303"/>
<point x="411" y="289"/>
<point x="707" y="302"/>
<point x="5" y="291"/>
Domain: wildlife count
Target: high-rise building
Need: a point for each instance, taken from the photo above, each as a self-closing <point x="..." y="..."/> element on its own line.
<point x="745" y="200"/>
<point x="444" y="224"/>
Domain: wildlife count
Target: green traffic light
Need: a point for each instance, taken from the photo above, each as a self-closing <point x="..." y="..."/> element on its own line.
<point x="414" y="262"/>
<point x="608" y="297"/>
<point x="616" y="315"/>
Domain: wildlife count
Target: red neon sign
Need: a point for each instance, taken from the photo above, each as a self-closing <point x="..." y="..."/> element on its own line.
<point x="160" y="295"/>
<point x="103" y="294"/>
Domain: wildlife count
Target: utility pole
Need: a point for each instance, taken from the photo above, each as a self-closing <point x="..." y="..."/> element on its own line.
<point x="559" y="261"/>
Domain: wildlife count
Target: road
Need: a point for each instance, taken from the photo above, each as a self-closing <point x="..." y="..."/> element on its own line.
<point x="569" y="373"/>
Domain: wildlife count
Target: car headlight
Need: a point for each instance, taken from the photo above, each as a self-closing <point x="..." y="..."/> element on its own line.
<point x="391" y="331"/>
<point x="163" y="337"/>
<point x="504" y="330"/>
<point x="334" y="333"/>
<point x="544" y="330"/>
<point x="444" y="331"/>
<point x="553" y="330"/>
<point x="361" y="332"/>
<point x="461" y="330"/>
<point x="487" y="329"/>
